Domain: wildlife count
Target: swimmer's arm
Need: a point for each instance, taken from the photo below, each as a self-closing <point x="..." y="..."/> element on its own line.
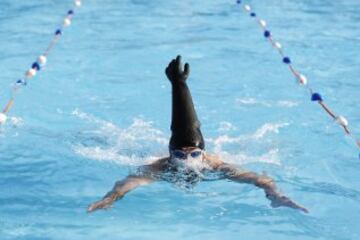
<point x="119" y="190"/>
<point x="130" y="183"/>
<point x="262" y="181"/>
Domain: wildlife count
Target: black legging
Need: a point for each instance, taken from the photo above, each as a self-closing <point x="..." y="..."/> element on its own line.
<point x="185" y="125"/>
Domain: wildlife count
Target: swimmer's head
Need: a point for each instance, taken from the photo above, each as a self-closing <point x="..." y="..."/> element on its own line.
<point x="186" y="153"/>
<point x="185" y="138"/>
<point x="187" y="157"/>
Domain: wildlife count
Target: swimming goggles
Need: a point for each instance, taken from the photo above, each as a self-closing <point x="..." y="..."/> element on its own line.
<point x="184" y="154"/>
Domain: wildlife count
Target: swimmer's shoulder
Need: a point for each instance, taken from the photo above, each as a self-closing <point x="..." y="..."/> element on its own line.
<point x="213" y="160"/>
<point x="160" y="164"/>
<point x="153" y="169"/>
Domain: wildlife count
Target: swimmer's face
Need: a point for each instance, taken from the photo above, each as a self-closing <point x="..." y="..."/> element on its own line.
<point x="187" y="156"/>
<point x="186" y="153"/>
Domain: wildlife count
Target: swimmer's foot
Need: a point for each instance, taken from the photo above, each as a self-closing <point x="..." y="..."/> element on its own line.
<point x="102" y="204"/>
<point x="282" y="201"/>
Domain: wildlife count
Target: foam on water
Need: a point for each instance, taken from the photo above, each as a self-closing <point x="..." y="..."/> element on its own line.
<point x="16" y="121"/>
<point x="13" y="122"/>
<point x="125" y="146"/>
<point x="136" y="144"/>
<point x="253" y="101"/>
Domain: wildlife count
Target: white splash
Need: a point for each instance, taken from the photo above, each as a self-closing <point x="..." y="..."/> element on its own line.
<point x="109" y="142"/>
<point x="226" y="126"/>
<point x="253" y="101"/>
<point x="125" y="144"/>
<point x="248" y="101"/>
<point x="268" y="128"/>
<point x="287" y="104"/>
<point x="271" y="157"/>
<point x="16" y="121"/>
<point x="246" y="143"/>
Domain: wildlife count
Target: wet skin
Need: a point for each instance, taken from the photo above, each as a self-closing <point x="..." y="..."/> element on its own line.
<point x="154" y="172"/>
<point x="177" y="74"/>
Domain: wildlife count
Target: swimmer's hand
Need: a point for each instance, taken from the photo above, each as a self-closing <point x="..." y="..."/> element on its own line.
<point x="119" y="191"/>
<point x="105" y="203"/>
<point x="261" y="181"/>
<point x="278" y="200"/>
<point x="175" y="72"/>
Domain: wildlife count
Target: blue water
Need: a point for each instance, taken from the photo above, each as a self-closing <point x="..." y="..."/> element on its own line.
<point x="101" y="107"/>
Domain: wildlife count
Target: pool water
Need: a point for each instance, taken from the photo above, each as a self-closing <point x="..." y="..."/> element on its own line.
<point x="101" y="107"/>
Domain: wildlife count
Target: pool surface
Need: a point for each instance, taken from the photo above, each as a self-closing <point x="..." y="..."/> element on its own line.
<point x="101" y="107"/>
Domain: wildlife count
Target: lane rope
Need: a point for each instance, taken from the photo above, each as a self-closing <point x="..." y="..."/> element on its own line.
<point x="39" y="63"/>
<point x="301" y="78"/>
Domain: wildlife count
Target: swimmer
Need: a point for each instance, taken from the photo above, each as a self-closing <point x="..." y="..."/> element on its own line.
<point x="187" y="155"/>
